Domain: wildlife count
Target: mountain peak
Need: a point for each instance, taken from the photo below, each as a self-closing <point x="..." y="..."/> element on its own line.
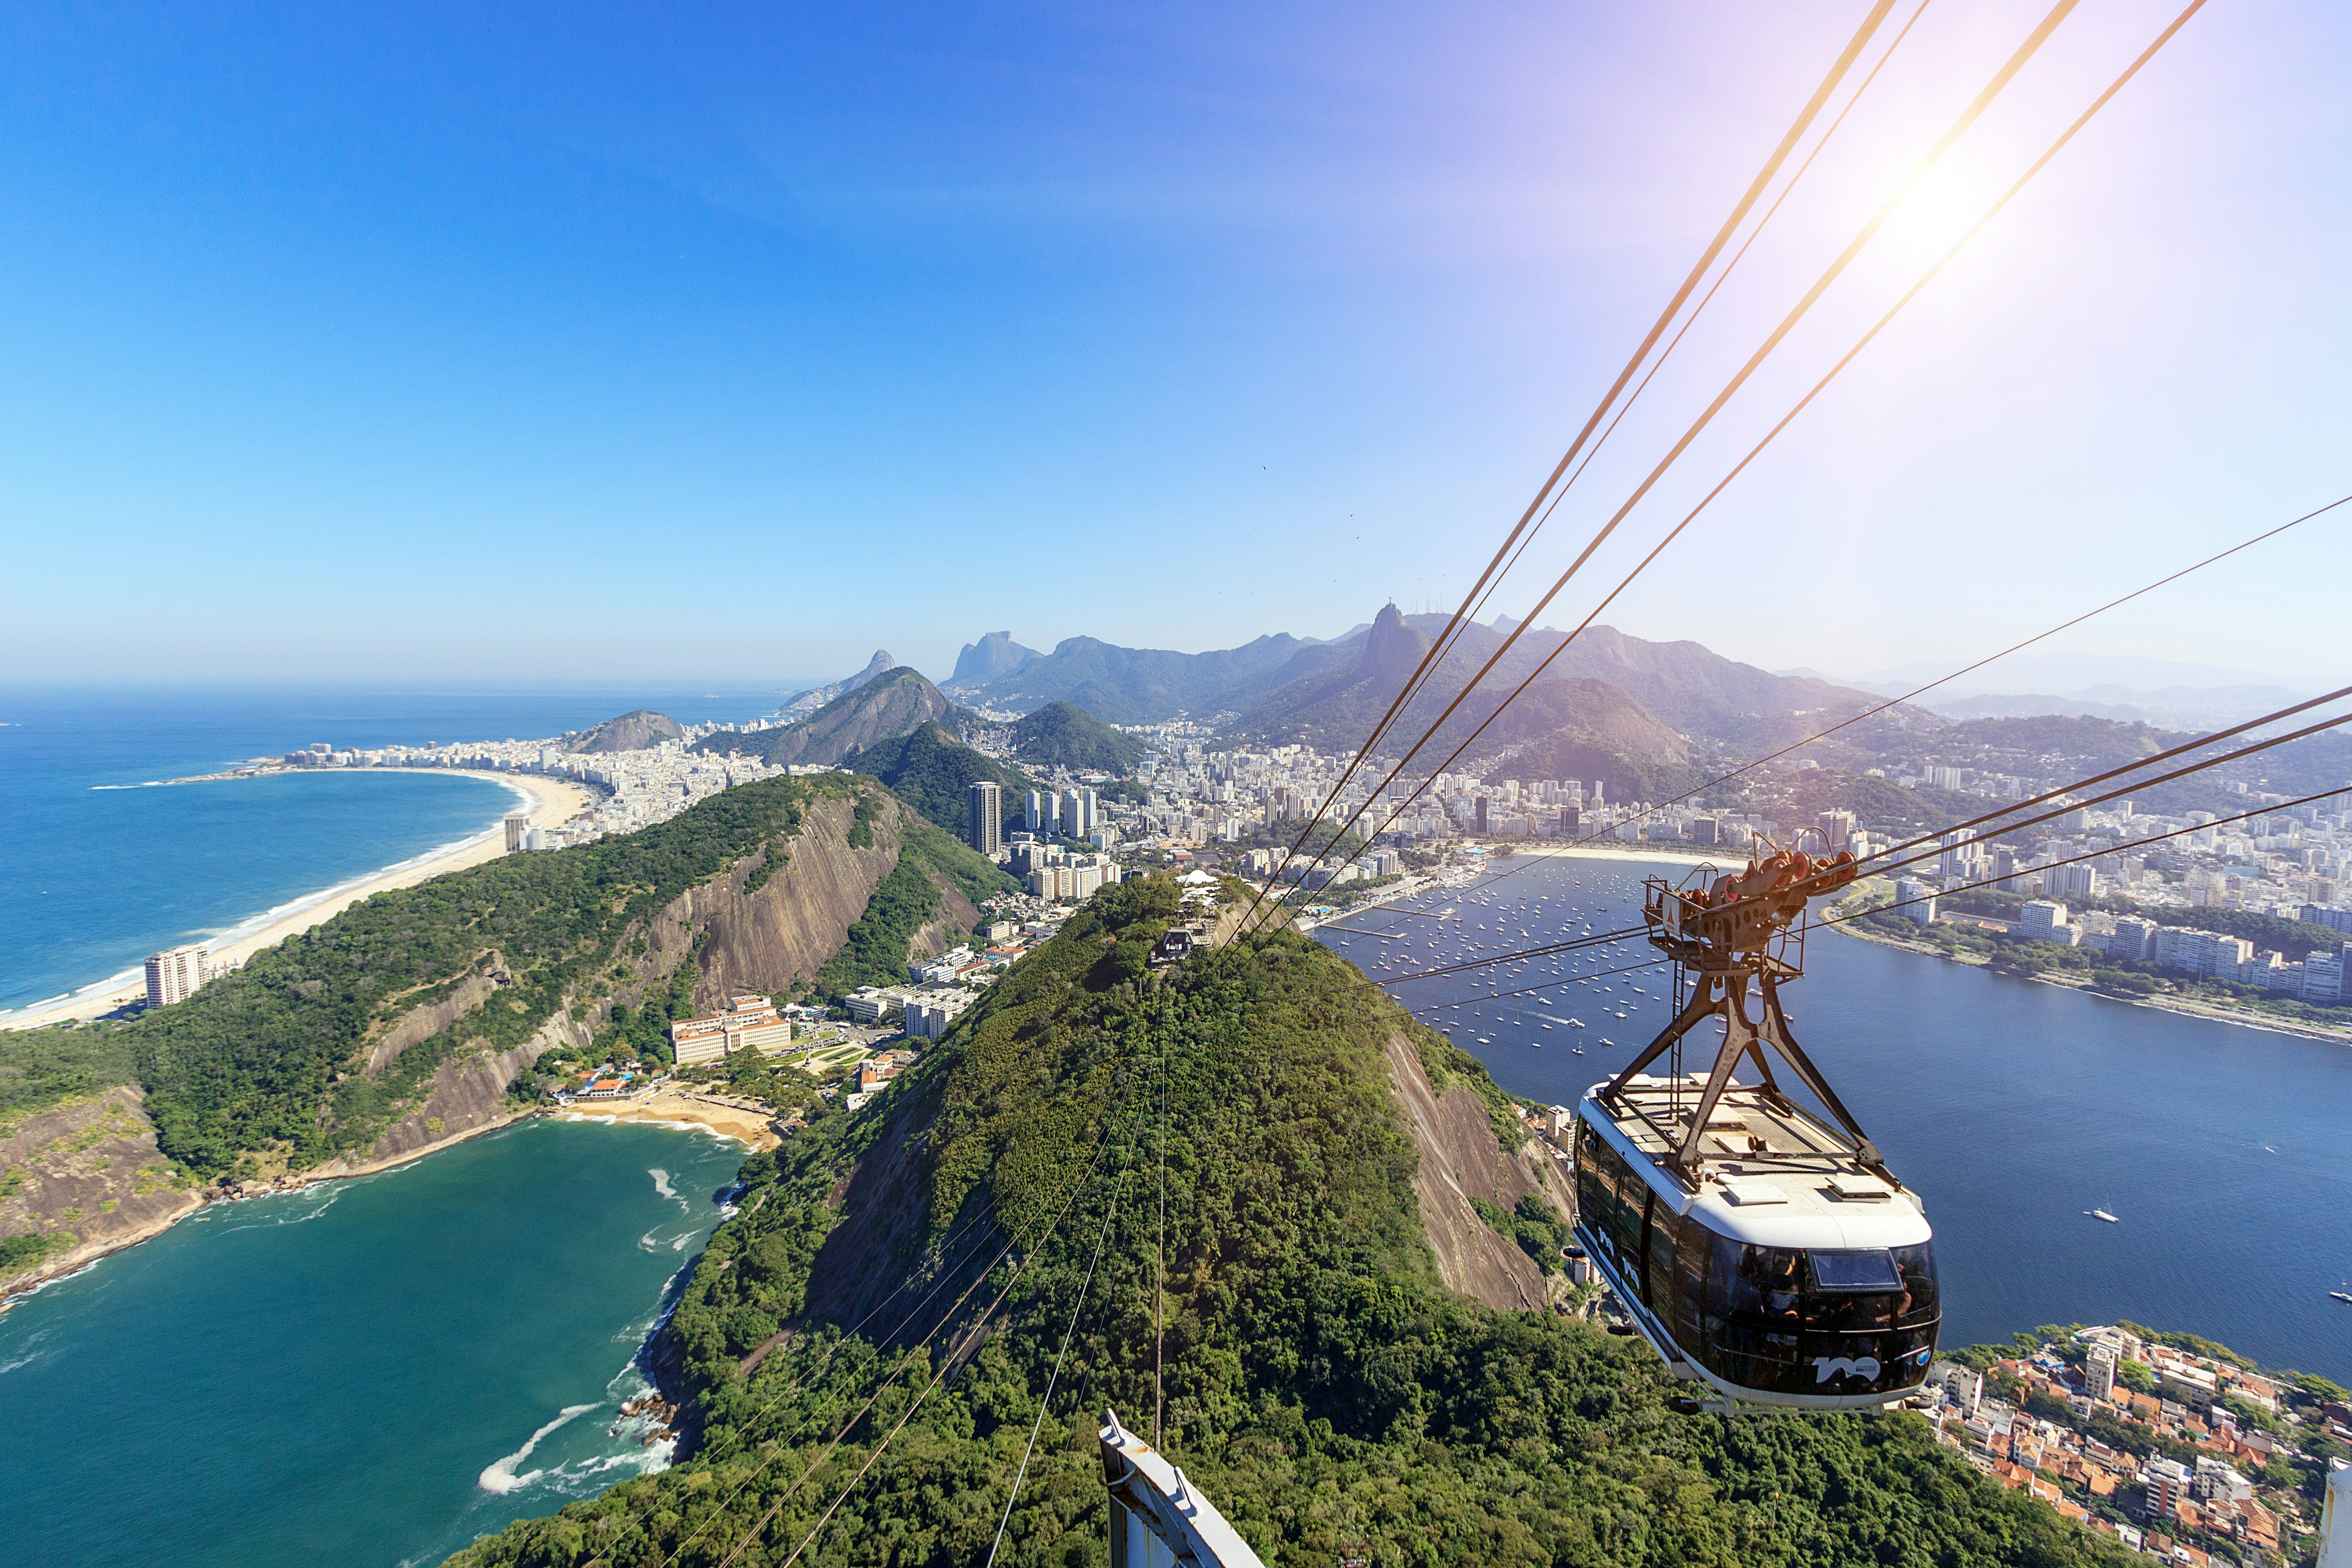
<point x="880" y="705"/>
<point x="880" y="662"/>
<point x="1393" y="650"/>
<point x="992" y="658"/>
<point x="635" y="730"/>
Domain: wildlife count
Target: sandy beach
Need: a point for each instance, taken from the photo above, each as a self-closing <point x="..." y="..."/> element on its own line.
<point x="553" y="802"/>
<point x="672" y="1108"/>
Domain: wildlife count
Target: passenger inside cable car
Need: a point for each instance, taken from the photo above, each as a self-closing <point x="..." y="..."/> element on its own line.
<point x="1828" y="1323"/>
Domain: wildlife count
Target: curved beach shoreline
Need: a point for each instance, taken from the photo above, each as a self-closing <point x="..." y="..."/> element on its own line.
<point x="552" y="802"/>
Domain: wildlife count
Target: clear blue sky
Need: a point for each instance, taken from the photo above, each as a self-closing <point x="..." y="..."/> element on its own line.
<point x="513" y="342"/>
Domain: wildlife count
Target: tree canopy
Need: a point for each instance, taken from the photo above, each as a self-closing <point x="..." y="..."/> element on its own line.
<point x="1320" y="1384"/>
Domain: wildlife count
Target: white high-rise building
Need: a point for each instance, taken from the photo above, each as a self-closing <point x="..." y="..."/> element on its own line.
<point x="517" y="823"/>
<point x="2046" y="920"/>
<point x="176" y="975"/>
<point x="2099" y="1372"/>
<point x="1915" y="899"/>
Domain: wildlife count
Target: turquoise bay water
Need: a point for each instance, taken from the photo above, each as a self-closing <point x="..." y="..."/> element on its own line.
<point x="369" y="1372"/>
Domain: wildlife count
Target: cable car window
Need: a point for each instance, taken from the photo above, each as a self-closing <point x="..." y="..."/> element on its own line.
<point x="1632" y="1194"/>
<point x="1658" y="1278"/>
<point x="1692" y="1244"/>
<point x="1854" y="1271"/>
<point x="1918" y="1266"/>
<point x="1591" y="1185"/>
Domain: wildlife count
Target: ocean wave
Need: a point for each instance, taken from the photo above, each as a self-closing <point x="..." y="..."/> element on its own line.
<point x="32" y="1352"/>
<point x="648" y="1242"/>
<point x="501" y="1477"/>
<point x="661" y="1183"/>
<point x="325" y="1202"/>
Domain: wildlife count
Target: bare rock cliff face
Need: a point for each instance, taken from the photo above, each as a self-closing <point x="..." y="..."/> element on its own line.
<point x="423" y="1023"/>
<point x="762" y="939"/>
<point x="766" y="939"/>
<point x="1459" y="1161"/>
<point x="89" y="1170"/>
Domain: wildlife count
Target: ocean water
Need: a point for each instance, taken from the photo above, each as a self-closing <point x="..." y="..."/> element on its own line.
<point x="2013" y="1106"/>
<point x="96" y="874"/>
<point x="372" y="1371"/>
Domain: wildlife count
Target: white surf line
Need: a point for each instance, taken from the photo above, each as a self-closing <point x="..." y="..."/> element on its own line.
<point x="254" y="925"/>
<point x="500" y="1478"/>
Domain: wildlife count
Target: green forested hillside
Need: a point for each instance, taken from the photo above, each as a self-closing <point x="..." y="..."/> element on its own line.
<point x="41" y="1068"/>
<point x="266" y="1058"/>
<point x="933" y="772"/>
<point x="261" y="1058"/>
<point x="1321" y="1386"/>
<point x="1064" y="735"/>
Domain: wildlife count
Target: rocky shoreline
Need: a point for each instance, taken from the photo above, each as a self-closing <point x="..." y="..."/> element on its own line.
<point x="186" y="1202"/>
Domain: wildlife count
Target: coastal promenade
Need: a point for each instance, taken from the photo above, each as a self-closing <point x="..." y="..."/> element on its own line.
<point x="553" y="802"/>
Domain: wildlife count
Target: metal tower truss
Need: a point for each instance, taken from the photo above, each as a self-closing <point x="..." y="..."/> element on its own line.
<point x="1728" y="943"/>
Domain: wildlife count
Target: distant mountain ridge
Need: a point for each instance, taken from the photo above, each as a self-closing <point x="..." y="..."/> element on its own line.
<point x="880" y="708"/>
<point x="1138" y="686"/>
<point x="1285" y="688"/>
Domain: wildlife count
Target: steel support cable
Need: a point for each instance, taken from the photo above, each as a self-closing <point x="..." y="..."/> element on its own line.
<point x="908" y="1358"/>
<point x="1817" y="387"/>
<point x="1608" y="940"/>
<point x="1434" y="656"/>
<point x="1159" y="1275"/>
<point x="2216" y="738"/>
<point x="2137" y="784"/>
<point x="1700" y="308"/>
<point x="909" y="1415"/>
<point x="1603" y="938"/>
<point x="1869" y="230"/>
<point x="1531" y="990"/>
<point x="1573" y="944"/>
<point x="2095" y="853"/>
<point x="2201" y="765"/>
<point x="810" y="1376"/>
<point x="1940" y="680"/>
<point x="1045" y="1402"/>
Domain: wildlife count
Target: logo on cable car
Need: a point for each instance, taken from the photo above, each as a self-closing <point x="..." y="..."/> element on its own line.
<point x="1827" y="1367"/>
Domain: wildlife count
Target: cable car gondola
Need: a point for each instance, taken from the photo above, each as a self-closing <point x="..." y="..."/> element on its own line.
<point x="1763" y="1251"/>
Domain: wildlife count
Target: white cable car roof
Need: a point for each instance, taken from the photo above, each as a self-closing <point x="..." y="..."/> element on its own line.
<point x="1804" y="1189"/>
